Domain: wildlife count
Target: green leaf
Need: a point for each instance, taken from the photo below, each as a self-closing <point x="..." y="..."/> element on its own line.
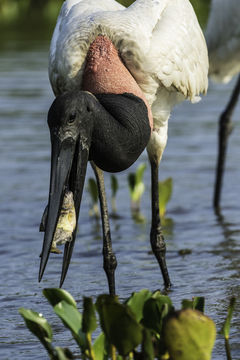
<point x="147" y="345"/>
<point x="137" y="301"/>
<point x="55" y="295"/>
<point x="89" y="321"/>
<point x="114" y="185"/>
<point x="63" y="354"/>
<point x="155" y="310"/>
<point x="226" y="326"/>
<point x="197" y="303"/>
<point x="100" y="348"/>
<point x="39" y="326"/>
<point x="72" y="319"/>
<point x="165" y="192"/>
<point x="93" y="190"/>
<point x="135" y="184"/>
<point x="189" y="332"/>
<point x="139" y="173"/>
<point x="119" y="324"/>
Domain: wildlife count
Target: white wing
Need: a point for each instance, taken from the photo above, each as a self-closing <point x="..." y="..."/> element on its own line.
<point x="223" y="39"/>
<point x="160" y="42"/>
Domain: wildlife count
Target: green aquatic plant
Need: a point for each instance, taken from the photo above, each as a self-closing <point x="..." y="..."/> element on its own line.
<point x="145" y="326"/>
<point x="226" y="326"/>
<point x="93" y="191"/>
<point x="165" y="192"/>
<point x="114" y="188"/>
<point x="136" y="190"/>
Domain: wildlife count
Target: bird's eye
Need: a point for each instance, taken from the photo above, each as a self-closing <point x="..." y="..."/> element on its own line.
<point x="72" y="117"/>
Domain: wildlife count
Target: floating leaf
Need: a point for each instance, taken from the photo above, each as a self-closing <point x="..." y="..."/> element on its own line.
<point x="137" y="301"/>
<point x="165" y="192"/>
<point x="119" y="324"/>
<point x="226" y="326"/>
<point x="89" y="321"/>
<point x="189" y="332"/>
<point x="72" y="319"/>
<point x="55" y="295"/>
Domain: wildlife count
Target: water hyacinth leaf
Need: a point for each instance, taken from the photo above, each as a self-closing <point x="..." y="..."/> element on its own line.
<point x="165" y="192"/>
<point x="147" y="345"/>
<point x="155" y="310"/>
<point x="55" y="295"/>
<point x="119" y="324"/>
<point x="226" y="326"/>
<point x="137" y="301"/>
<point x="63" y="354"/>
<point x="189" y="332"/>
<point x="197" y="303"/>
<point x="89" y="321"/>
<point x="39" y="326"/>
<point x="100" y="347"/>
<point x="36" y="323"/>
<point x="72" y="319"/>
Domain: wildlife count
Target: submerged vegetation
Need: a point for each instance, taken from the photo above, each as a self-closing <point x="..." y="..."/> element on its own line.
<point x="145" y="326"/>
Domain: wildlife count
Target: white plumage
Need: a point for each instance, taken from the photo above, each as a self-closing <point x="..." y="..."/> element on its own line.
<point x="159" y="41"/>
<point x="223" y="39"/>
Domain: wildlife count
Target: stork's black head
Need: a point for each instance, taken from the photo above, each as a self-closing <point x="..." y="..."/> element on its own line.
<point x="112" y="131"/>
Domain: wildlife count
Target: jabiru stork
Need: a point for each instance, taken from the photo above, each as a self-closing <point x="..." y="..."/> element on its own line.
<point x="117" y="72"/>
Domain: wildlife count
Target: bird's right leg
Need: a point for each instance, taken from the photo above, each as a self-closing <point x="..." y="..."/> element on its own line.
<point x="156" y="236"/>
<point x="225" y="128"/>
<point x="109" y="258"/>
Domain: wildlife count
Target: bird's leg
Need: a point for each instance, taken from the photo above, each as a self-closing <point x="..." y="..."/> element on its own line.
<point x="225" y="128"/>
<point x="109" y="258"/>
<point x="156" y="236"/>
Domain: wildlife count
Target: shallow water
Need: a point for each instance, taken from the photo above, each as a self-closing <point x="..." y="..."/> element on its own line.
<point x="211" y="270"/>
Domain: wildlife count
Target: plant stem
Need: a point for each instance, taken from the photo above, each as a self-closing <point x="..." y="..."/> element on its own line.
<point x="89" y="345"/>
<point x="113" y="352"/>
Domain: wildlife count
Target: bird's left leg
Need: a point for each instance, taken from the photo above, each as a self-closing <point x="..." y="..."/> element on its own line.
<point x="109" y="258"/>
<point x="156" y="235"/>
<point x="225" y="128"/>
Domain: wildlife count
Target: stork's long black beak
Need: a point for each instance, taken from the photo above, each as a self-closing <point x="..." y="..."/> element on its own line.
<point x="68" y="168"/>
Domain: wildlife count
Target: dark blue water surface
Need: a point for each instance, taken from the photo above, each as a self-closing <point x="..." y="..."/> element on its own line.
<point x="211" y="270"/>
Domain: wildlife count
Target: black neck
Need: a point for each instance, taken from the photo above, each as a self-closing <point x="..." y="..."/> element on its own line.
<point x="121" y="131"/>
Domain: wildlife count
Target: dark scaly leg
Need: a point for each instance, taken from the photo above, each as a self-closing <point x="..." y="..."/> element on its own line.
<point x="225" y="128"/>
<point x="156" y="236"/>
<point x="109" y="258"/>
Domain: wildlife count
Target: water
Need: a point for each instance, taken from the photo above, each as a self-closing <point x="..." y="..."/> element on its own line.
<point x="211" y="270"/>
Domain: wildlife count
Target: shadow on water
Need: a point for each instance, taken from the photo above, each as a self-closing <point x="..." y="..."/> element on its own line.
<point x="210" y="269"/>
